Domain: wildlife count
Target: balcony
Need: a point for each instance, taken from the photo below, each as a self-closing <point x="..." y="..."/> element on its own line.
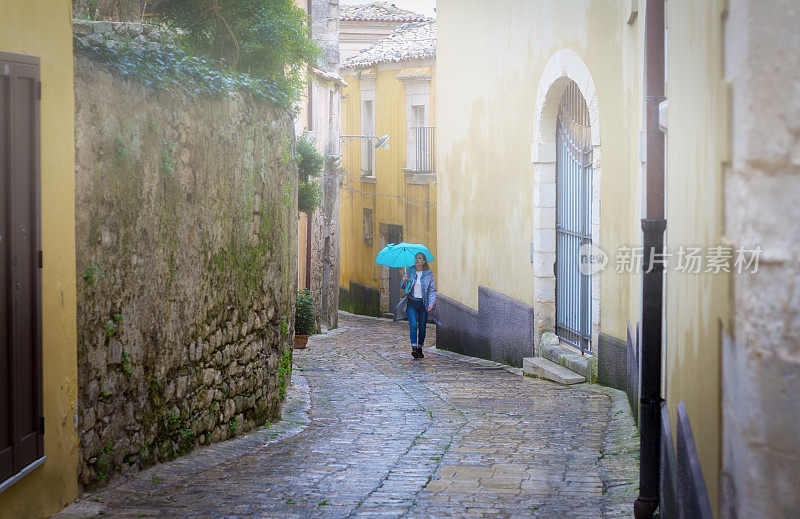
<point x="421" y="157"/>
<point x="424" y="150"/>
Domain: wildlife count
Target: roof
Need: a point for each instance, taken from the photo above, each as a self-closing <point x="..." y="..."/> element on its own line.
<point x="415" y="73"/>
<point x="328" y="77"/>
<point x="409" y="41"/>
<point x="379" y="12"/>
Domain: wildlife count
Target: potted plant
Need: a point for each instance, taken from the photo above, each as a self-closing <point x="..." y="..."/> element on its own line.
<point x="303" y="318"/>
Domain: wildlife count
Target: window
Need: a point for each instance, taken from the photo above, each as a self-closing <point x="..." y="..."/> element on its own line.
<point x="21" y="412"/>
<point x="419" y="131"/>
<point x="367" y="128"/>
<point x="367" y="225"/>
<point x="418" y="112"/>
<point x="420" y="141"/>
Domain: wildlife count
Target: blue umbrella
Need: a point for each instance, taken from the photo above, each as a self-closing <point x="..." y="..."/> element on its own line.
<point x="402" y="254"/>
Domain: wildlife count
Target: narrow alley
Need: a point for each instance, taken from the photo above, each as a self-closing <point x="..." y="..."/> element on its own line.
<point x="367" y="431"/>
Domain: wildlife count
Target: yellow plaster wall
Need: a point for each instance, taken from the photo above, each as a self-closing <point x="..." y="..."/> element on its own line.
<point x="486" y="187"/>
<point x="418" y="218"/>
<point x="490" y="59"/>
<point x="696" y="306"/>
<point x="44" y="28"/>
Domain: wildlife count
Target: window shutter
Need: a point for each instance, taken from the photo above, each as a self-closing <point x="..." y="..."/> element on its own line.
<point x="6" y="432"/>
<point x="21" y="440"/>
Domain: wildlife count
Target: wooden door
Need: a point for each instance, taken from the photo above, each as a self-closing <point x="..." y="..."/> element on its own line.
<point x="21" y="422"/>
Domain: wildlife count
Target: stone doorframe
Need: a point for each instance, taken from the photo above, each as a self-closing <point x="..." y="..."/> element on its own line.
<point x="563" y="66"/>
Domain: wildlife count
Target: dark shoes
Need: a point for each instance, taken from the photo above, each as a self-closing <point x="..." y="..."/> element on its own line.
<point x="416" y="352"/>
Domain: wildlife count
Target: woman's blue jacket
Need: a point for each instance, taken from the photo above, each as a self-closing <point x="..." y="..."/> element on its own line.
<point x="428" y="293"/>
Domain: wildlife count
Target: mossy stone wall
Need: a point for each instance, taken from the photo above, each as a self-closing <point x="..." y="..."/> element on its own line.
<point x="187" y="268"/>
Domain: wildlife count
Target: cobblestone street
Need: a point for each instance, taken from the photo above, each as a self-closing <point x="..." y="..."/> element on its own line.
<point x="370" y="432"/>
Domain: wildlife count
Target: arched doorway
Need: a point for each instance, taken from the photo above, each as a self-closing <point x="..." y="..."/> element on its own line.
<point x="565" y="78"/>
<point x="573" y="219"/>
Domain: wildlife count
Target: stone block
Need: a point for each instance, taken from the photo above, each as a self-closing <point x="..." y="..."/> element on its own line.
<point x="553" y="350"/>
<point x="543" y="264"/>
<point x="543" y="368"/>
<point x="180" y="388"/>
<point x="88" y="420"/>
<point x="208" y="376"/>
<point x="103" y="28"/>
<point x="544" y="289"/>
<point x="82" y="27"/>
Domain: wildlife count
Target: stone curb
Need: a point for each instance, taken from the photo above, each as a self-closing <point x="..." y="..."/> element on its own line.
<point x="295" y="417"/>
<point x="367" y="317"/>
<point x="474" y="360"/>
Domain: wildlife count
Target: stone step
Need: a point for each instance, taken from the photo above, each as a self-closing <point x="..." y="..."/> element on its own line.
<point x="543" y="368"/>
<point x="552" y="349"/>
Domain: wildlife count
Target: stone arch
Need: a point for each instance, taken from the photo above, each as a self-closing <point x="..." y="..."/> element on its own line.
<point x="564" y="66"/>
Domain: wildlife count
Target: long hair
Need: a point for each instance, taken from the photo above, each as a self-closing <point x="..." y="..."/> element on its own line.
<point x="424" y="261"/>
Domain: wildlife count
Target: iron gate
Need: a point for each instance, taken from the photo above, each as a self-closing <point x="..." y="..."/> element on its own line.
<point x="573" y="219"/>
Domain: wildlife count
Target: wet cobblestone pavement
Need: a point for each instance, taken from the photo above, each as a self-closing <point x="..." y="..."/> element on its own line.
<point x="370" y="432"/>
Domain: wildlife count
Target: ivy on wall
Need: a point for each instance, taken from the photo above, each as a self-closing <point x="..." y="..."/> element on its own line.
<point x="260" y="45"/>
<point x="172" y="69"/>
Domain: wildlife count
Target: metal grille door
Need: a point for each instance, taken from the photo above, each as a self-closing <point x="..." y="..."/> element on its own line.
<point x="573" y="219"/>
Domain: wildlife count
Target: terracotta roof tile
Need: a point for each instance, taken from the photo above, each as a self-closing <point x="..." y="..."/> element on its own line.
<point x="379" y="12"/>
<point x="409" y="41"/>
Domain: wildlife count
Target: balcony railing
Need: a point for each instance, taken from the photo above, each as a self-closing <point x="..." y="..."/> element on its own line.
<point x="424" y="150"/>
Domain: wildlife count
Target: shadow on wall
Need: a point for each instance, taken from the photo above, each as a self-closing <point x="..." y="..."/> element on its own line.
<point x="501" y="329"/>
<point x="618" y="366"/>
<point x="360" y="299"/>
<point x="683" y="489"/>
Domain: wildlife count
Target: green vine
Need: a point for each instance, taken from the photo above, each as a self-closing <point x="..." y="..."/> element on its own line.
<point x="287" y="194"/>
<point x="121" y="150"/>
<point x="284" y="371"/>
<point x="167" y="162"/>
<point x="286" y="148"/>
<point x="103" y="462"/>
<point x="125" y="364"/>
<point x="284" y="326"/>
<point x="92" y="274"/>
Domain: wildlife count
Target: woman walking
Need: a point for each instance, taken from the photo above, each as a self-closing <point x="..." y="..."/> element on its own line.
<point x="420" y="288"/>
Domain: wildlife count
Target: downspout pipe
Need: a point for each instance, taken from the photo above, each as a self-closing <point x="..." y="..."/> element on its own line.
<point x="653" y="226"/>
<point x="309" y="216"/>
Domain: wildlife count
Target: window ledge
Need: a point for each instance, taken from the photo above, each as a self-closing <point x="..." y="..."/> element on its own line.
<point x="416" y="177"/>
<point x="369" y="179"/>
<point x="22" y="473"/>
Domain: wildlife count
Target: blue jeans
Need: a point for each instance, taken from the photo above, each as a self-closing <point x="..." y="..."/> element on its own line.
<point x="417" y="319"/>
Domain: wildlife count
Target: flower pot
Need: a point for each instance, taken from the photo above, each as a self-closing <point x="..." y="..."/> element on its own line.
<point x="300" y="341"/>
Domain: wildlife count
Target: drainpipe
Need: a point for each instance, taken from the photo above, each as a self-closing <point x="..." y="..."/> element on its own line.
<point x="653" y="226"/>
<point x="308" y="250"/>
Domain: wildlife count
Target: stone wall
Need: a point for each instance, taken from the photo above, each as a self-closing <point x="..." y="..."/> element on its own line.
<point x="327" y="128"/>
<point x="187" y="261"/>
<point x="761" y="354"/>
<point x="117" y="34"/>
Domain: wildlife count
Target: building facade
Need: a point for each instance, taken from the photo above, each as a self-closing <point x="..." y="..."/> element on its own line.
<point x="318" y="233"/>
<point x="361" y="26"/>
<point x="388" y="190"/>
<point x="38" y="366"/>
<point x="542" y="156"/>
